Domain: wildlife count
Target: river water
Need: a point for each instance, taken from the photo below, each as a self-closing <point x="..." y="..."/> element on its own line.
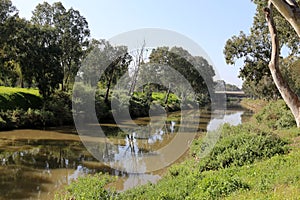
<point x="35" y="164"/>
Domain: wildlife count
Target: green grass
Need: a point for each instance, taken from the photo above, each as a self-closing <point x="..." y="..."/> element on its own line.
<point x="265" y="175"/>
<point x="276" y="178"/>
<point x="12" y="90"/>
<point x="250" y="161"/>
<point x="19" y="98"/>
<point x="161" y="96"/>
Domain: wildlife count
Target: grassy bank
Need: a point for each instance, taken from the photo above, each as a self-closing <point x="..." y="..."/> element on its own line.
<point x="19" y="98"/>
<point x="25" y="108"/>
<point x="254" y="105"/>
<point x="255" y="160"/>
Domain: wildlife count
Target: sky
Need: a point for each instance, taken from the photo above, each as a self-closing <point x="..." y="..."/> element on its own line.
<point x="207" y="23"/>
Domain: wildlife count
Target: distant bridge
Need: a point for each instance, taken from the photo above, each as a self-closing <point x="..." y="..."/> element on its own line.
<point x="232" y="94"/>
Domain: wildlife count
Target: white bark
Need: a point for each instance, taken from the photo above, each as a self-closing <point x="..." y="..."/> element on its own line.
<point x="287" y="94"/>
<point x="290" y="13"/>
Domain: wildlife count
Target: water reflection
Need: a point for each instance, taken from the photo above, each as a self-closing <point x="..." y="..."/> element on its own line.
<point x="233" y="118"/>
<point x="35" y="164"/>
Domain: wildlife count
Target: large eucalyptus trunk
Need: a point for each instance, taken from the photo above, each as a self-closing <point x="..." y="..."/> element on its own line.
<point x="290" y="97"/>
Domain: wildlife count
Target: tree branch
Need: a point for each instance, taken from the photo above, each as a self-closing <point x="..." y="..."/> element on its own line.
<point x="287" y="94"/>
<point x="290" y="12"/>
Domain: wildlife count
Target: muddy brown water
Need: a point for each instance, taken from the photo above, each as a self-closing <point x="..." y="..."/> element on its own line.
<point x="36" y="164"/>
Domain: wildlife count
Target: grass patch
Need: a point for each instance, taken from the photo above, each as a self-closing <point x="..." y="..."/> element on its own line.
<point x="239" y="146"/>
<point x="276" y="115"/>
<point x="19" y="98"/>
<point x="254" y="105"/>
<point x="276" y="178"/>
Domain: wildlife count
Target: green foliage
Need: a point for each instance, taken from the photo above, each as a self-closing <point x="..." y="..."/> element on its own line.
<point x="70" y="32"/>
<point x="194" y="69"/>
<point x="105" y="62"/>
<point x="254" y="52"/>
<point x="160" y="97"/>
<point x="23" y="108"/>
<point x="230" y="87"/>
<point x="276" y="115"/>
<point x="103" y="110"/>
<point x="45" y="52"/>
<point x="139" y="105"/>
<point x="277" y="178"/>
<point x="291" y="72"/>
<point x="19" y="98"/>
<point x="239" y="146"/>
<point x="244" y="160"/>
<point x="89" y="187"/>
<point x="60" y="105"/>
<point x="214" y="186"/>
<point x="31" y="118"/>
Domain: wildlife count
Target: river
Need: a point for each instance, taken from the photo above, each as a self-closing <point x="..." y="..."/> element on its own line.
<point x="35" y="164"/>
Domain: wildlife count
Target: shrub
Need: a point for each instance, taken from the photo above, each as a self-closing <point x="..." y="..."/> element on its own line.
<point x="239" y="146"/>
<point x="58" y="109"/>
<point x="214" y="186"/>
<point x="276" y="115"/>
<point x="89" y="187"/>
<point x="19" y="118"/>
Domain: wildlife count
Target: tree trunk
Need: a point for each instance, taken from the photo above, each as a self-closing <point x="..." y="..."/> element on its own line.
<point x="287" y="94"/>
<point x="290" y="13"/>
<point x="107" y="89"/>
<point x="167" y="96"/>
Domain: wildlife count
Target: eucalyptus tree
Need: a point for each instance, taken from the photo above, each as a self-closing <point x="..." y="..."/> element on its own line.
<point x="71" y="33"/>
<point x="195" y="69"/>
<point x="8" y="67"/>
<point x="261" y="49"/>
<point x="290" y="10"/>
<point x="104" y="64"/>
<point x="40" y="58"/>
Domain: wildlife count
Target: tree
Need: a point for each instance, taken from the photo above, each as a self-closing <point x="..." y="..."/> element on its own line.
<point x="291" y="12"/>
<point x="195" y="69"/>
<point x="41" y="57"/>
<point x="104" y="59"/>
<point x="8" y="68"/>
<point x="288" y="35"/>
<point x="255" y="51"/>
<point x="138" y="60"/>
<point x="72" y="35"/>
<point x="291" y="73"/>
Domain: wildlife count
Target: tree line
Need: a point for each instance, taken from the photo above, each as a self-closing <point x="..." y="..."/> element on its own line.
<point x="44" y="51"/>
<point x="47" y="51"/>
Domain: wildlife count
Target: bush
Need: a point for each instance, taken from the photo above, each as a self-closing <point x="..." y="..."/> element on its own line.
<point x="89" y="187"/>
<point x="222" y="184"/>
<point x="276" y="115"/>
<point x="139" y="106"/>
<point x="59" y="109"/>
<point x="239" y="146"/>
<point x="19" y="118"/>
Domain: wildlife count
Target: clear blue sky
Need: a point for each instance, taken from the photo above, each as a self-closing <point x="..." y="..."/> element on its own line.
<point x="208" y="23"/>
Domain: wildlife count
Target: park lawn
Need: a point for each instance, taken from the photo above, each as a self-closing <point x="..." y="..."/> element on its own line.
<point x="19" y="98"/>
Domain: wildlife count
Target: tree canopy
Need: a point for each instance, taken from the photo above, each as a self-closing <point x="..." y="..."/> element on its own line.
<point x="253" y="52"/>
<point x="44" y="52"/>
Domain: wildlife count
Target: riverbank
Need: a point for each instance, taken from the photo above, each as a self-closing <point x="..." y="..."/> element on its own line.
<point x="250" y="161"/>
<point x="24" y="108"/>
<point x="254" y="105"/>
